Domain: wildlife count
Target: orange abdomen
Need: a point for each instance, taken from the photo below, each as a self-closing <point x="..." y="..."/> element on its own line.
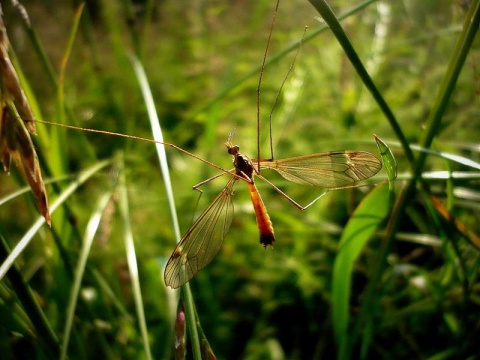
<point x="263" y="220"/>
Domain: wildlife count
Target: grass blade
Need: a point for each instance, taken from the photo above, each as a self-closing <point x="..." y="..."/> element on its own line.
<point x="388" y="160"/>
<point x="132" y="259"/>
<point x="90" y="232"/>
<point x="332" y="21"/>
<point x="157" y="134"/>
<point x="364" y="222"/>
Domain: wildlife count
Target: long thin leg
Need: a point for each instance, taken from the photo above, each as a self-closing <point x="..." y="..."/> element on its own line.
<point x="301" y="207"/>
<point x="262" y="69"/>
<point x="304" y="207"/>
<point x="196" y="187"/>
<point x="292" y="65"/>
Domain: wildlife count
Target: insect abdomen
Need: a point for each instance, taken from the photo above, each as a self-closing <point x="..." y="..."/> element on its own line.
<point x="263" y="220"/>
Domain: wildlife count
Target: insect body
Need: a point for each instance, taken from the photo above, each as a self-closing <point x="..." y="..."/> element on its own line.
<point x="244" y="168"/>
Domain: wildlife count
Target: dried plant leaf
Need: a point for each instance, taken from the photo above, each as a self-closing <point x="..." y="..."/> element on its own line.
<point x="16" y="121"/>
<point x="16" y="144"/>
<point x="10" y="85"/>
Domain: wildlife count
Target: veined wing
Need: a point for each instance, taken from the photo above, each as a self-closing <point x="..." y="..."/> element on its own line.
<point x="334" y="169"/>
<point x="202" y="241"/>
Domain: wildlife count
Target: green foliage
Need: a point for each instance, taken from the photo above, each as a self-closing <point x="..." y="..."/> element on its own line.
<point x="361" y="274"/>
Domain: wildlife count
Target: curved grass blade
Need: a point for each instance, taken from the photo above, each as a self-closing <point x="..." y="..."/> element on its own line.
<point x="365" y="220"/>
<point x="388" y="159"/>
<point x="158" y="136"/>
<point x="132" y="260"/>
<point x="80" y="269"/>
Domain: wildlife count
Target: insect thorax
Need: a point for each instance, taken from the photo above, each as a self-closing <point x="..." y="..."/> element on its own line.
<point x="243" y="166"/>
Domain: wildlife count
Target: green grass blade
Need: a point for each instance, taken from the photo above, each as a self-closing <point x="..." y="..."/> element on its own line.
<point x="332" y="21"/>
<point x="90" y="232"/>
<point x="190" y="313"/>
<point x="66" y="56"/>
<point x="158" y="136"/>
<point x="57" y="154"/>
<point x="132" y="259"/>
<point x="364" y="222"/>
<point x="462" y="160"/>
<point x="388" y="161"/>
<point x="462" y="47"/>
<point x="162" y="156"/>
<point x="44" y="61"/>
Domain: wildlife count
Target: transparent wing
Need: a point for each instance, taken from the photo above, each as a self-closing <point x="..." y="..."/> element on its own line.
<point x="202" y="241"/>
<point x="333" y="169"/>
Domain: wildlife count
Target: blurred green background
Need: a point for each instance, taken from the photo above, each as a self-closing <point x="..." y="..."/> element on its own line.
<point x="202" y="60"/>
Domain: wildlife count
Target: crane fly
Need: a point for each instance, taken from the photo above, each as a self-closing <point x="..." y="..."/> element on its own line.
<point x="329" y="170"/>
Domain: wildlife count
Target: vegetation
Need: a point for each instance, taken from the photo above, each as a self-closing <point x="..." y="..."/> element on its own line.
<point x="369" y="272"/>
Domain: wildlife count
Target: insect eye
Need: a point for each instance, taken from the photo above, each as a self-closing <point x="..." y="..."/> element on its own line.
<point x="233" y="150"/>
